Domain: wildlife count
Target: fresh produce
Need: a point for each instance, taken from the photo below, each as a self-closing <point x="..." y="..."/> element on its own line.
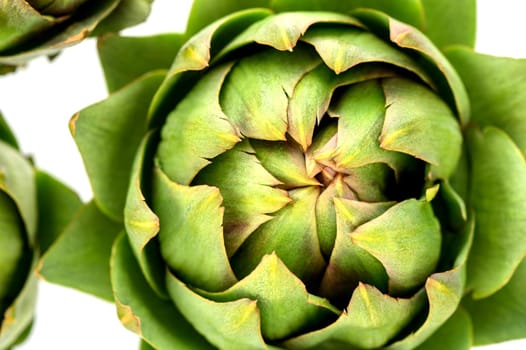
<point x="306" y="175"/>
<point x="34" y="208"/>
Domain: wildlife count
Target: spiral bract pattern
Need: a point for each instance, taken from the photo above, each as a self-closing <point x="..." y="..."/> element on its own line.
<point x="301" y="171"/>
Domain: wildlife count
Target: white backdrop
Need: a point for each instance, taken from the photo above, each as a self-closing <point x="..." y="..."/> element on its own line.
<point x="38" y="102"/>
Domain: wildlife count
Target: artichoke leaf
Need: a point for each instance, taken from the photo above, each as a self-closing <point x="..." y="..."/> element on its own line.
<point x="498" y="198"/>
<point x="372" y="319"/>
<point x="373" y="183"/>
<point x="313" y="93"/>
<point x="326" y="213"/>
<point x="360" y="110"/>
<point x="501" y="316"/>
<point x="497" y="90"/>
<point x="248" y="191"/>
<point x="409" y="11"/>
<point x="57" y="204"/>
<point x="282" y="31"/>
<point x="195" y="55"/>
<point x="140" y="309"/>
<point x="449" y="24"/>
<point x="201" y="16"/>
<point x="258" y="106"/>
<point x="285" y="306"/>
<point x="349" y="264"/>
<point x="322" y="148"/>
<point x="195" y="131"/>
<point x="117" y="126"/>
<point x="80" y="257"/>
<point x="291" y="230"/>
<point x="417" y="122"/>
<point x="343" y="49"/>
<point x="449" y="207"/>
<point x="285" y="161"/>
<point x="308" y="104"/>
<point x="406" y="239"/>
<point x="191" y="236"/>
<point x="455" y="334"/>
<point x="351" y="214"/>
<point x="464" y="242"/>
<point x="406" y="37"/>
<point x="232" y="325"/>
<point x="140" y="222"/>
<point x="149" y="53"/>
<point x="444" y="291"/>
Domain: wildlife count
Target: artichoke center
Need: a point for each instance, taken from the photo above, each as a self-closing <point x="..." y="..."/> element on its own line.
<point x="326" y="176"/>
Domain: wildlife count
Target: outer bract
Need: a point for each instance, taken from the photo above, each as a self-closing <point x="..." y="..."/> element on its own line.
<point x="34" y="208"/>
<point x="308" y="175"/>
<point x="30" y="28"/>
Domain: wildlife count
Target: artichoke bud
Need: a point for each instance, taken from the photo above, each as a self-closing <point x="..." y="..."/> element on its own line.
<point x="33" y="28"/>
<point x="313" y="152"/>
<point x="17" y="235"/>
<point x="34" y="208"/>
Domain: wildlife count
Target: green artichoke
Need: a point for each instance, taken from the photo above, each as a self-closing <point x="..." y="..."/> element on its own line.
<point x="34" y="208"/>
<point x="43" y="27"/>
<point x="306" y="175"/>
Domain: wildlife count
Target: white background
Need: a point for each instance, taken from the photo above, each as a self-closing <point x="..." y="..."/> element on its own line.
<point x="38" y="102"/>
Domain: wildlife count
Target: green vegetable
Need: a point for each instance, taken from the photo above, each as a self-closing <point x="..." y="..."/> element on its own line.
<point x="34" y="208"/>
<point x="43" y="27"/>
<point x="306" y="175"/>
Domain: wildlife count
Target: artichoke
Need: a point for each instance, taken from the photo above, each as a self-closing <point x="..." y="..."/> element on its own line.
<point x="306" y="175"/>
<point x="43" y="27"/>
<point x="34" y="208"/>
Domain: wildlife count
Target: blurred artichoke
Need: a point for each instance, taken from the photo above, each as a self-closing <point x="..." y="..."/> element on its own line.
<point x="43" y="27"/>
<point x="306" y="175"/>
<point x="34" y="208"/>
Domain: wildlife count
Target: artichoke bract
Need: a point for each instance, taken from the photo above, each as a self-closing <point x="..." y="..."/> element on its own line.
<point x="43" y="27"/>
<point x="307" y="175"/>
<point x="31" y="217"/>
